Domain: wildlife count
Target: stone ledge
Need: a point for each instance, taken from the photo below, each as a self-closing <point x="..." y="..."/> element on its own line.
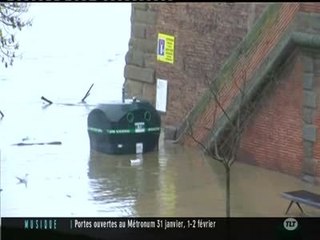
<point x="307" y="64"/>
<point x="308" y="115"/>
<point x="310" y="132"/>
<point x="145" y="45"/>
<point x="133" y="88"/>
<point x="145" y="17"/>
<point x="135" y="57"/>
<point x="308" y="81"/>
<point x="308" y="149"/>
<point x="309" y="99"/>
<point x="140" y="74"/>
<point x="149" y="92"/>
<point x="170" y="133"/>
<point x="141" y="6"/>
<point x="138" y="30"/>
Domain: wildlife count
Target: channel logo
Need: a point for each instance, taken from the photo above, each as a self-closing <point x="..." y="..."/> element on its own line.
<point x="290" y="224"/>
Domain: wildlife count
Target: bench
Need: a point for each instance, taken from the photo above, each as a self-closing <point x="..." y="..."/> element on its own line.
<point x="302" y="196"/>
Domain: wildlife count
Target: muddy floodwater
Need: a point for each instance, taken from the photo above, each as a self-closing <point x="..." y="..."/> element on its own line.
<point x="71" y="180"/>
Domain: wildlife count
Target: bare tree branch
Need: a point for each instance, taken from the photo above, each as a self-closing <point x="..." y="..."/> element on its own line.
<point x="204" y="148"/>
<point x="217" y="100"/>
<point x="10" y="22"/>
<point x="226" y="143"/>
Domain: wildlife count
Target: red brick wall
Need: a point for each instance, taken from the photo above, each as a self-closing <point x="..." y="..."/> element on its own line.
<point x="205" y="35"/>
<point x="310" y="7"/>
<point x="273" y="138"/>
<point x="258" y="52"/>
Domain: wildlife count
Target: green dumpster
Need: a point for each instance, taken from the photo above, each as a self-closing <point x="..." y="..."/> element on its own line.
<point x="124" y="128"/>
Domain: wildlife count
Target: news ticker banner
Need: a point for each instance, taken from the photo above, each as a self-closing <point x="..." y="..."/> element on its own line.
<point x="153" y="228"/>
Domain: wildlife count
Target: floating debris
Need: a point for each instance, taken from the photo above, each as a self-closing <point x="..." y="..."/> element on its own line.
<point x="137" y="161"/>
<point x="39" y="143"/>
<point x="2" y="115"/>
<point x="47" y="100"/>
<point x="23" y="180"/>
<point x="69" y="104"/>
<point x="87" y="94"/>
<point x="25" y="139"/>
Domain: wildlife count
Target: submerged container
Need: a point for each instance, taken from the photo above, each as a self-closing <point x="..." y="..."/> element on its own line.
<point x="124" y="128"/>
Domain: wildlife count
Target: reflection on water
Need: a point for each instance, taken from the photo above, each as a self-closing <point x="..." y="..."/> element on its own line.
<point x="160" y="186"/>
<point x="71" y="180"/>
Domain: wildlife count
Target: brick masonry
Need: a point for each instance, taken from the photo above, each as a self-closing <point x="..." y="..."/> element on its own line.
<point x="273" y="138"/>
<point x="252" y="59"/>
<point x="204" y="33"/>
<point x="284" y="133"/>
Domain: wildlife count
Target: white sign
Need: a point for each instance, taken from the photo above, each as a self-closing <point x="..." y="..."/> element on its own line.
<point x="161" y="100"/>
<point x="139" y="127"/>
<point x="139" y="148"/>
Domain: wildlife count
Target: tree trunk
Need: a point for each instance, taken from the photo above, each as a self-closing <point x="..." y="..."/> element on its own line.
<point x="227" y="191"/>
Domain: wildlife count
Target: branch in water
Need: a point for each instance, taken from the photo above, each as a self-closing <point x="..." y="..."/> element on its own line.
<point x="87" y="94"/>
<point x="40" y="143"/>
<point x="45" y="99"/>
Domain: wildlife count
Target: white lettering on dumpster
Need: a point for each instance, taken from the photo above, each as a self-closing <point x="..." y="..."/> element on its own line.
<point x="139" y="127"/>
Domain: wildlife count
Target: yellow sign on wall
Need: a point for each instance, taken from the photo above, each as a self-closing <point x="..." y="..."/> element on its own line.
<point x="165" y="48"/>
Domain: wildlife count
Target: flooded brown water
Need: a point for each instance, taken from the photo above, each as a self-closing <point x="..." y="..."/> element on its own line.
<point x="71" y="180"/>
